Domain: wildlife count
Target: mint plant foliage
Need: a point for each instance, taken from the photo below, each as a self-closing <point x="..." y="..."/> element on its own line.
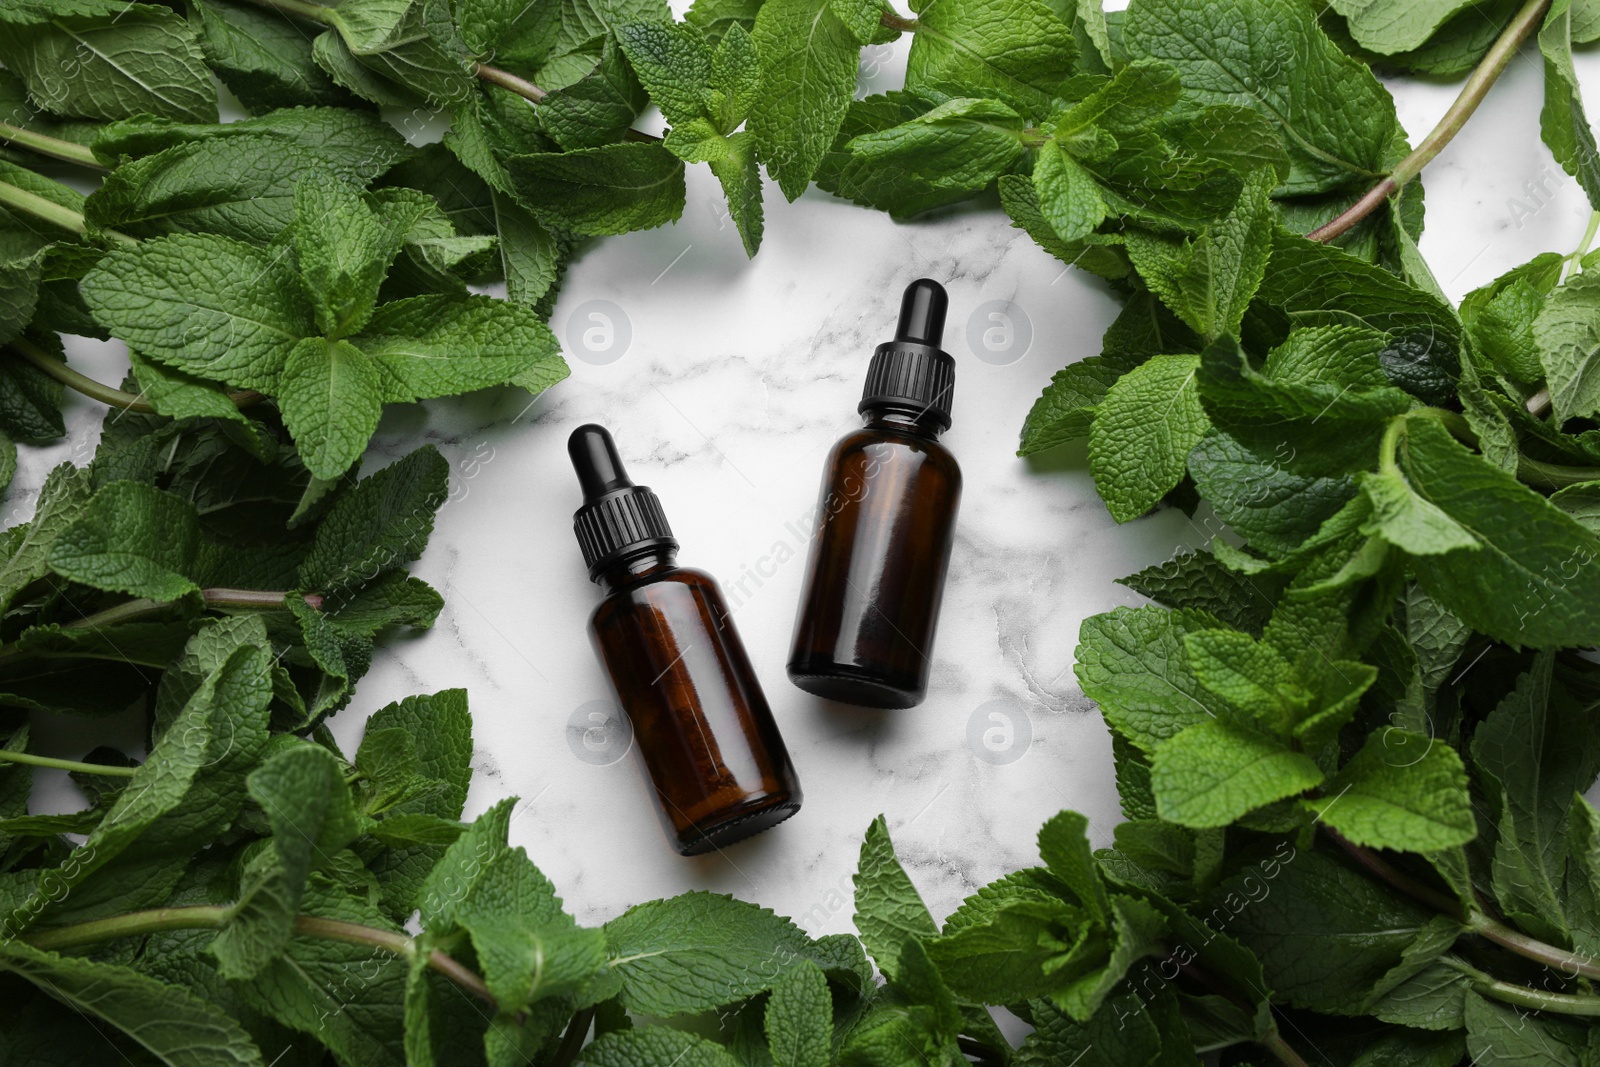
<point x="1353" y="726"/>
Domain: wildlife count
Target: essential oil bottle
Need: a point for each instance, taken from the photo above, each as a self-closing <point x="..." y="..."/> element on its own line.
<point x="663" y="633"/>
<point x="885" y="522"/>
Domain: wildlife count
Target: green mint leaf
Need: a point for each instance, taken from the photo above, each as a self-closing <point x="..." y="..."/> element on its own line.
<point x="1334" y="118"/>
<point x="1407" y="521"/>
<point x="334" y="57"/>
<point x="1065" y="410"/>
<point x="1255" y="492"/>
<point x="1403" y="791"/>
<point x="656" y="1046"/>
<point x="1562" y="122"/>
<point x="395" y="599"/>
<point x="889" y="912"/>
<point x="1530" y="583"/>
<point x="1566" y="330"/>
<point x="509" y="31"/>
<point x="1431" y="999"/>
<point x="182" y="396"/>
<point x="131" y="538"/>
<point x="412" y="43"/>
<point x="430" y="346"/>
<point x="1064" y="847"/>
<point x="356" y="144"/>
<point x="1390" y="26"/>
<point x="140" y="60"/>
<point x="1250" y="676"/>
<point x="1136" y="931"/>
<point x="698" y="951"/>
<point x="331" y="398"/>
<point x="1210" y="280"/>
<point x="717" y="17"/>
<point x="673" y="62"/>
<point x="1367" y="936"/>
<point x="736" y="75"/>
<point x="1096" y="252"/>
<point x="1500" y="1035"/>
<point x="861" y="18"/>
<point x="1142" y="433"/>
<point x="607" y="190"/>
<point x="740" y="176"/>
<point x="384" y="522"/>
<point x="1503" y="324"/>
<point x="302" y="792"/>
<point x="261" y="56"/>
<point x="1131" y="661"/>
<point x="1212" y="773"/>
<point x="1068" y="195"/>
<point x="1239" y="138"/>
<point x="808" y="69"/>
<point x="799" y="1018"/>
<point x="597" y="109"/>
<point x="240" y="187"/>
<point x="1582" y="890"/>
<point x="174" y="1025"/>
<point x="1005" y="944"/>
<point x="343" y="251"/>
<point x="19" y="293"/>
<point x="1533" y="752"/>
<point x="206" y="305"/>
<point x="532" y="256"/>
<point x="1582" y="502"/>
<point x="1200" y="581"/>
<point x="1018" y="51"/>
<point x="959" y="147"/>
<point x="1122" y="1034"/>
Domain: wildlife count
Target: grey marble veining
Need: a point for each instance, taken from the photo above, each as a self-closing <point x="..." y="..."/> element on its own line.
<point x="735" y="379"/>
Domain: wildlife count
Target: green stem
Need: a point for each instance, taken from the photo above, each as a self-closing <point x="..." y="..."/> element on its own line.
<point x="66" y="764"/>
<point x="245" y="599"/>
<point x="1583" y="246"/>
<point x="572" y="1039"/>
<point x="897" y="22"/>
<point x="1378" y="866"/>
<point x="1552" y="956"/>
<point x="314" y="12"/>
<point x="53" y="147"/>
<point x="106" y="394"/>
<point x="1389" y="447"/>
<point x="214" y="916"/>
<point x="1521" y="995"/>
<point x="506" y="80"/>
<point x="1554" y="475"/>
<point x="1483" y="76"/>
<point x="1275" y="1044"/>
<point x="53" y="213"/>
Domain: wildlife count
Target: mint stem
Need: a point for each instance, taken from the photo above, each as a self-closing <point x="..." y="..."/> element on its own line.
<point x="53" y="147"/>
<point x="1484" y="75"/>
<point x="246" y="599"/>
<point x="66" y="764"/>
<point x="1275" y="1044"/>
<point x="897" y="22"/>
<point x="1521" y="995"/>
<point x="94" y="390"/>
<point x="506" y="80"/>
<point x="1476" y="920"/>
<point x="214" y="916"/>
<point x="53" y="213"/>
<point x="572" y="1039"/>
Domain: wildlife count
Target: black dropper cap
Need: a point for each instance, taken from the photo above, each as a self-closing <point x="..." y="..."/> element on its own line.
<point x="618" y="518"/>
<point x="912" y="373"/>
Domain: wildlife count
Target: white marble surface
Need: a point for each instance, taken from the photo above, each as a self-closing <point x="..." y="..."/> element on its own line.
<point x="737" y="378"/>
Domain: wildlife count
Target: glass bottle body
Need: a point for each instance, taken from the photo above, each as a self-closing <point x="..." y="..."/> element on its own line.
<point x="869" y="607"/>
<point x="702" y="727"/>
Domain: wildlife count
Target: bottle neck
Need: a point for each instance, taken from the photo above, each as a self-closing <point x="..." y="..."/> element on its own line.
<point x="901" y="420"/>
<point x="635" y="566"/>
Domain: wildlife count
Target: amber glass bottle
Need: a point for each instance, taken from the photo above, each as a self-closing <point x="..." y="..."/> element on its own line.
<point x="663" y="633"/>
<point x="885" y="523"/>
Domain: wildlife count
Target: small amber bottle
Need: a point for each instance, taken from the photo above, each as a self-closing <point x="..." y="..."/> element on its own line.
<point x="885" y="523"/>
<point x="664" y="634"/>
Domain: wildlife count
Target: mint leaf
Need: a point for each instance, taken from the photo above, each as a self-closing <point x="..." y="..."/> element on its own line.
<point x="597" y="109"/>
<point x="607" y="190"/>
<point x="1403" y="791"/>
<point x="1530" y="583"/>
<point x="1142" y="433"/>
<point x="1209" y="281"/>
<point x="698" y="951"/>
<point x="131" y="538"/>
<point x="656" y="1045"/>
<point x="1389" y="26"/>
<point x="1254" y="490"/>
<point x="1407" y="521"/>
<point x="1562" y="122"/>
<point x="799" y="1018"/>
<point x="674" y="63"/>
<point x="206" y="305"/>
<point x="261" y="56"/>
<point x="808" y="72"/>
<point x="1498" y="1035"/>
<point x="141" y="60"/>
<point x="437" y="346"/>
<point x="1064" y="847"/>
<point x="889" y="912"/>
<point x="740" y="177"/>
<point x="1200" y="581"/>
<point x="1017" y="51"/>
<point x="343" y="251"/>
<point x="1212" y="773"/>
<point x="412" y="43"/>
<point x="1065" y="410"/>
<point x="1566" y="330"/>
<point x="383" y="522"/>
<point x="331" y="399"/>
<point x="177" y="1027"/>
<point x="961" y="145"/>
<point x="1249" y="676"/>
<point x="1131" y="661"/>
<point x="1334" y="118"/>
<point x="1068" y="196"/>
